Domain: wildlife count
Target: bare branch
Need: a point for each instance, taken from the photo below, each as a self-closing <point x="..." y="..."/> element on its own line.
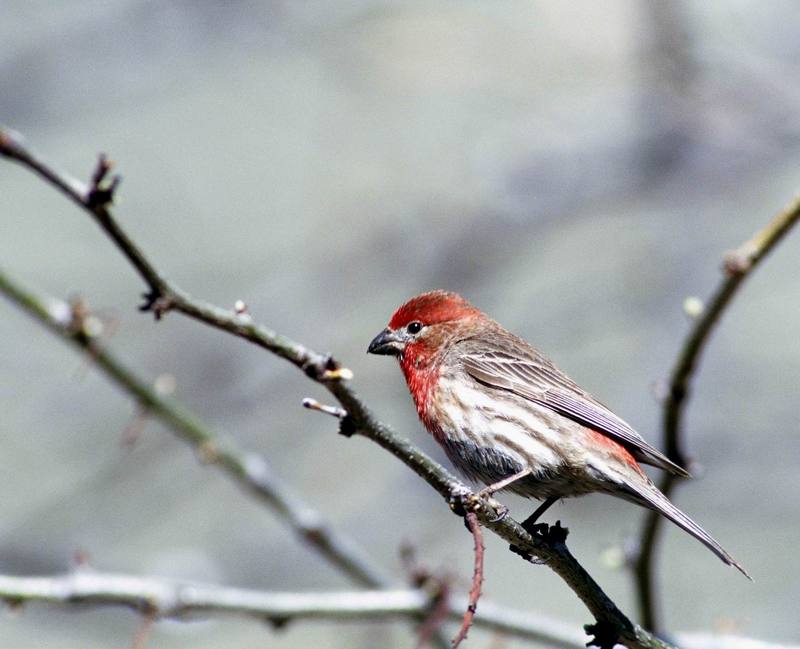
<point x="164" y="598"/>
<point x="737" y="266"/>
<point x="164" y="296"/>
<point x="158" y="598"/>
<point x="249" y="469"/>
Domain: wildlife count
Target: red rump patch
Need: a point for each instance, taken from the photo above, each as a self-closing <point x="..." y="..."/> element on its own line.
<point x="614" y="448"/>
<point x="432" y="308"/>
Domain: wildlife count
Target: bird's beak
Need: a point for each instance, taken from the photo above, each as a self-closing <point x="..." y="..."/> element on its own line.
<point x="387" y="343"/>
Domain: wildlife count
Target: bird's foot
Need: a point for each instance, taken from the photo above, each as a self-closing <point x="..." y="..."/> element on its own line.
<point x="550" y="534"/>
<point x="501" y="511"/>
<point x="461" y="503"/>
<point x="604" y="635"/>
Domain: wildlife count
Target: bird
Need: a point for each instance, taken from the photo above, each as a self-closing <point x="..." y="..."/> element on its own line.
<point x="507" y="417"/>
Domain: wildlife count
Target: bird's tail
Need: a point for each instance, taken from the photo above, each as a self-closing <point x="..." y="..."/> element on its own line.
<point x="652" y="498"/>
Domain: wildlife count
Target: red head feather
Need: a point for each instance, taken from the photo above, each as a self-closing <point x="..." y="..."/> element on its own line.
<point x="419" y="359"/>
<point x="434" y="307"/>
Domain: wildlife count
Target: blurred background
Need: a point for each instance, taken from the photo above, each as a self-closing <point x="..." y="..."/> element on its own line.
<point x="576" y="169"/>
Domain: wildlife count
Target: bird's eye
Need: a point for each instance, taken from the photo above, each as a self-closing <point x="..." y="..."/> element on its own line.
<point x="414" y="327"/>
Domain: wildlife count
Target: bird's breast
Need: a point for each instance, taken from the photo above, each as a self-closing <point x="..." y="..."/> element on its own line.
<point x="469" y="412"/>
<point x="491" y="434"/>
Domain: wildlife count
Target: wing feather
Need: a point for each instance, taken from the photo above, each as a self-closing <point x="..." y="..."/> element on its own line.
<point x="540" y="381"/>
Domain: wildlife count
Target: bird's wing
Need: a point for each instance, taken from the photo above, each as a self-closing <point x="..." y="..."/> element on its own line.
<point x="542" y="382"/>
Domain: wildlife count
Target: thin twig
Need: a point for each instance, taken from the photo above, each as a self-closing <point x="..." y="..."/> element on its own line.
<point x="333" y="411"/>
<point x="439" y="588"/>
<point x="249" y="469"/>
<point x="164" y="296"/>
<point x="437" y="615"/>
<point x="477" y="579"/>
<point x="164" y="598"/>
<point x="143" y="632"/>
<point x="133" y="429"/>
<point x="737" y="266"/>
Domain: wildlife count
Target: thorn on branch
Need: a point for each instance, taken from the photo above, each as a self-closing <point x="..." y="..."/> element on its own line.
<point x="101" y="188"/>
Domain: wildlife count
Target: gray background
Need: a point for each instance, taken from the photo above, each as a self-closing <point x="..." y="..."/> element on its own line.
<point x="575" y="169"/>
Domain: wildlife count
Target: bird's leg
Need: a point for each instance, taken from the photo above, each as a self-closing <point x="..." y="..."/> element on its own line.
<point x="457" y="504"/>
<point x="502" y="484"/>
<point x="553" y="533"/>
<point x="529" y="523"/>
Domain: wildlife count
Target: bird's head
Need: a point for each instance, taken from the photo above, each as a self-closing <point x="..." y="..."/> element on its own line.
<point x="423" y="324"/>
<point x="418" y="334"/>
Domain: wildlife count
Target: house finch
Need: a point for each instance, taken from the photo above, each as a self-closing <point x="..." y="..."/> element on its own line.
<point x="507" y="417"/>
